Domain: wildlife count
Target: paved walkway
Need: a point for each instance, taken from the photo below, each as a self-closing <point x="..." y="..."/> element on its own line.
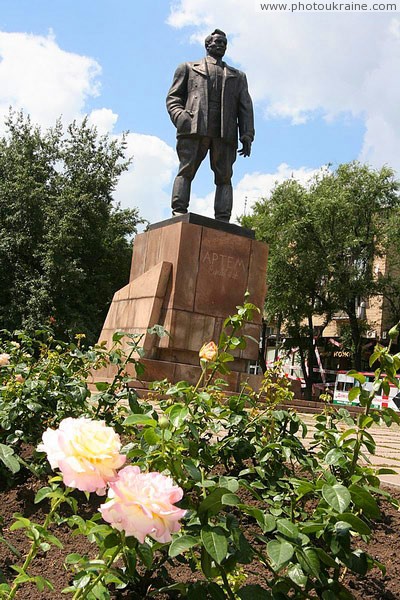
<point x="387" y="441"/>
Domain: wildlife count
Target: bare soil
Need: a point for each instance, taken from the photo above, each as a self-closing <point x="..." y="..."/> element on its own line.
<point x="385" y="547"/>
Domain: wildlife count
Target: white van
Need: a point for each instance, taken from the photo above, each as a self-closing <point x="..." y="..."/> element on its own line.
<point x="345" y="382"/>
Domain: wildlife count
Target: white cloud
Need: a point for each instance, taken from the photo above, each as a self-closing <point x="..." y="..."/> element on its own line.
<point x="252" y="187"/>
<point x="103" y="119"/>
<point x="147" y="184"/>
<point x="303" y="64"/>
<point x="36" y="75"/>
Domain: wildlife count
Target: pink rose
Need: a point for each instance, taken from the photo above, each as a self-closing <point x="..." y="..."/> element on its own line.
<point x="4" y="359"/>
<point x="209" y="352"/>
<point x="85" y="451"/>
<point x="143" y="504"/>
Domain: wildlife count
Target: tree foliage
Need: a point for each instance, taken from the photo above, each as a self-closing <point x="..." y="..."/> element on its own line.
<point x="63" y="244"/>
<point x="324" y="238"/>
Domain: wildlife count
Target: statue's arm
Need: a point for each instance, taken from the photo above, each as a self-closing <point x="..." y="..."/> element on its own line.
<point x="245" y="113"/>
<point x="177" y="95"/>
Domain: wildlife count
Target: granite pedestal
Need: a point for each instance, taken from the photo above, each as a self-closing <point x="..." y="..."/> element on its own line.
<point x="188" y="274"/>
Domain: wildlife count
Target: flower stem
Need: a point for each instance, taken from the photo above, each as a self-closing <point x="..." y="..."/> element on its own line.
<point x="228" y="588"/>
<point x="34" y="547"/>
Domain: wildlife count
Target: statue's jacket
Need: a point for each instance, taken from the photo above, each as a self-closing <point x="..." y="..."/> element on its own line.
<point x="187" y="102"/>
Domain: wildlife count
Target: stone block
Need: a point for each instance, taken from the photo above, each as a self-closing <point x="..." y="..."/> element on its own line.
<point x="187" y="268"/>
<point x="189" y="373"/>
<point x="201" y="331"/>
<point x="153" y="249"/>
<point x="179" y="356"/>
<point x="138" y="256"/>
<point x="157" y="370"/>
<point x="138" y="305"/>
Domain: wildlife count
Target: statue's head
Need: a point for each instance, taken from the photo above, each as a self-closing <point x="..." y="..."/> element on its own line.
<point x="216" y="43"/>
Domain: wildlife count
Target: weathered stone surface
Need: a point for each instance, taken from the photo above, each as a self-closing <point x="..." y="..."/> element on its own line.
<point x="139" y="255"/>
<point x="137" y="306"/>
<point x="187" y="268"/>
<point x="223" y="272"/>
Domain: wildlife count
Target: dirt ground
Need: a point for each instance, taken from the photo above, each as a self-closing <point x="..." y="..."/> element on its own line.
<point x="385" y="547"/>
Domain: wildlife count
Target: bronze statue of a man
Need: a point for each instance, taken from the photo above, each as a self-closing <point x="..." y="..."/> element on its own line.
<point x="209" y="104"/>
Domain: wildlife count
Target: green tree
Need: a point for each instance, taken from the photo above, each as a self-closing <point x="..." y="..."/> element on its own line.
<point x="324" y="238"/>
<point x="296" y="268"/>
<point x="64" y="246"/>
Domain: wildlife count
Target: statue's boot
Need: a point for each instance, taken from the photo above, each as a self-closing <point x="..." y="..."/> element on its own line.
<point x="180" y="195"/>
<point x="223" y="202"/>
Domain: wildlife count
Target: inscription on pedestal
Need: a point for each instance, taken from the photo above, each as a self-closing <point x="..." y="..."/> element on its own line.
<point x="223" y="265"/>
<point x="223" y="273"/>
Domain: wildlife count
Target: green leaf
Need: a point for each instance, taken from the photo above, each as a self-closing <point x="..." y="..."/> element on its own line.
<point x="73" y="558"/>
<point x="357" y="562"/>
<point x="42" y="582"/>
<point x="373" y="358"/>
<point x="191" y="468"/>
<point x="181" y="544"/>
<point x="280" y="552"/>
<point x="337" y="496"/>
<point x="365" y="421"/>
<point x="230" y="483"/>
<point x="140" y="420"/>
<point x="4" y="587"/>
<point x="177" y="414"/>
<point x="230" y="499"/>
<point x="102" y="386"/>
<point x="206" y="564"/>
<point x="309" y="560"/>
<point x="356" y="523"/>
<point x="8" y="458"/>
<point x="254" y="592"/>
<point x="386" y="471"/>
<point x="214" y="591"/>
<point x="212" y="503"/>
<point x="333" y="457"/>
<point x="287" y="528"/>
<point x="354" y="392"/>
<point x="151" y="437"/>
<point x="225" y="357"/>
<point x="215" y="542"/>
<point x="326" y="558"/>
<point x="312" y="527"/>
<point x="329" y="595"/>
<point x="347" y="433"/>
<point x="297" y="575"/>
<point x="146" y="555"/>
<point x="111" y="540"/>
<point x="82" y="582"/>
<point x="364" y="500"/>
<point x="43" y="493"/>
<point x="357" y="376"/>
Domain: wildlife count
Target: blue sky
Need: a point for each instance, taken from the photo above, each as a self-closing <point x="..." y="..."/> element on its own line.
<point x="324" y="85"/>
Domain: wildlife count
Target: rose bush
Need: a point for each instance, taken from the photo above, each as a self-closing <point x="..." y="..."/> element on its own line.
<point x="244" y="467"/>
<point x="87" y="453"/>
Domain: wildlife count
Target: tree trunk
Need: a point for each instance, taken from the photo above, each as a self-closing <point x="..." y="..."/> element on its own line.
<point x="262" y="347"/>
<point x="310" y="357"/>
<point x="356" y="337"/>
